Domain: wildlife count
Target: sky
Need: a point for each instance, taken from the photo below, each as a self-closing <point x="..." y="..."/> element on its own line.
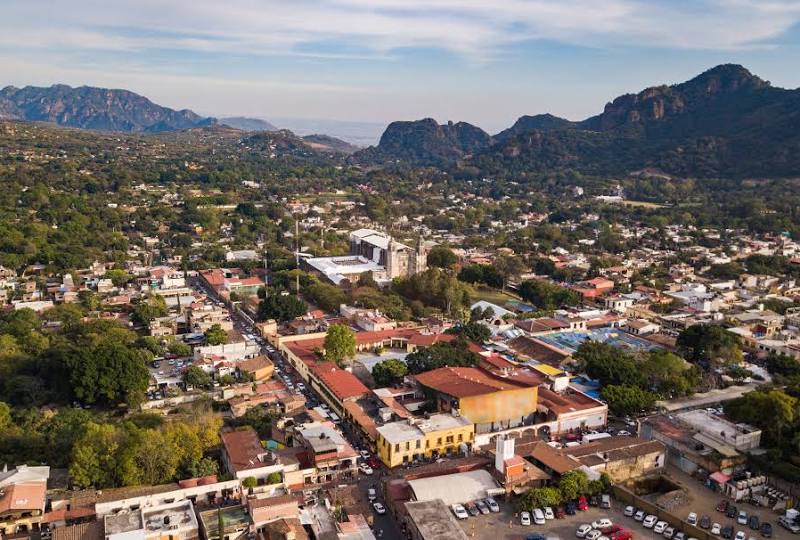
<point x="482" y="61"/>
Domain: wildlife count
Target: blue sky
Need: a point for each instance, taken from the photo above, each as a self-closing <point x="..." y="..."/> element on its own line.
<point x="485" y="62"/>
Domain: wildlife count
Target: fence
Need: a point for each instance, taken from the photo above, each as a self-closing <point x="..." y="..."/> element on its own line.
<point x="625" y="496"/>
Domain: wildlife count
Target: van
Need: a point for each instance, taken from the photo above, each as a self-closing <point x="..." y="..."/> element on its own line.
<point x="605" y="501"/>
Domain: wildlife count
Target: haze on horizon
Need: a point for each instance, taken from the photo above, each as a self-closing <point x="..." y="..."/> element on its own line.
<point x="382" y="60"/>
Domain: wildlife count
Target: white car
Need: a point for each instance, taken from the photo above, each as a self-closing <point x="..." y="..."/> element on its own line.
<point x="601" y="523"/>
<point x="639" y="516"/>
<point x="365" y="469"/>
<point x="623" y="433"/>
<point x="371" y="494"/>
<point x="492" y="504"/>
<point x="742" y="518"/>
<point x="649" y="521"/>
<point x="525" y="518"/>
<point x="379" y="508"/>
<point x="669" y="532"/>
<point x="548" y="513"/>
<point x="629" y="511"/>
<point x="716" y="528"/>
<point x="740" y="535"/>
<point x="659" y="527"/>
<point x="692" y="519"/>
<point x="583" y="530"/>
<point x="538" y="516"/>
<point x="594" y="534"/>
<point x="460" y="511"/>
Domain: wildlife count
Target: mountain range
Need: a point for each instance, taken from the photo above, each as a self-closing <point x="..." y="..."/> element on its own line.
<point x="248" y="124"/>
<point x="724" y="122"/>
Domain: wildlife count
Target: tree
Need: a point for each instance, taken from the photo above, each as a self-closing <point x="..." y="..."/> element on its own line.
<point x="539" y="498"/>
<point x="179" y="348"/>
<point x="274" y="478"/>
<point x="442" y="257"/>
<point x="5" y="417"/>
<point x="340" y="343"/>
<point x="389" y="372"/>
<point x="149" y="309"/>
<point x="608" y="364"/>
<point x="196" y="377"/>
<point x="216" y="335"/>
<point x="509" y="267"/>
<point x="328" y="297"/>
<point x="710" y="345"/>
<point x="547" y="296"/>
<point x="118" y="276"/>
<point x="572" y="484"/>
<point x="281" y="307"/>
<point x="669" y="374"/>
<point x="473" y="331"/>
<point x="94" y="460"/>
<point x="442" y="354"/>
<point x="783" y="364"/>
<point x="250" y="482"/>
<point x="770" y="410"/>
<point x="627" y="400"/>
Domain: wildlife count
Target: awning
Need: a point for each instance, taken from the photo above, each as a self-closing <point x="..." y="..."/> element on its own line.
<point x="719" y="477"/>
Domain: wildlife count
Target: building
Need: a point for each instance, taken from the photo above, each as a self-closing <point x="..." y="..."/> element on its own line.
<point x="410" y="440"/>
<point x="372" y="252"/>
<point x="489" y="401"/>
<point x="432" y="520"/>
<point x="172" y="521"/>
<point x="258" y="368"/>
<point x="243" y="456"/>
<point x="22" y="499"/>
<point x="330" y="455"/>
<point x="236" y="523"/>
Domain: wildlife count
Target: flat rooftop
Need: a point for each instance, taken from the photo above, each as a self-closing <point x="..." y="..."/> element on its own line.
<point x="434" y="520"/>
<point x="706" y="421"/>
<point x="454" y="488"/>
<point x="170" y="519"/>
<point x="123" y="522"/>
<point x="337" y="269"/>
<point x="401" y="431"/>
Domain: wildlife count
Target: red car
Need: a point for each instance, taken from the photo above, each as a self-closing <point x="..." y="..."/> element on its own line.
<point x="609" y="530"/>
<point x="560" y="512"/>
<point x="722" y="506"/>
<point x="623" y="534"/>
<point x="582" y="504"/>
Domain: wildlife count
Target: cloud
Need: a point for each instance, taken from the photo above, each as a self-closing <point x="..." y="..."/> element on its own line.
<point x="467" y="27"/>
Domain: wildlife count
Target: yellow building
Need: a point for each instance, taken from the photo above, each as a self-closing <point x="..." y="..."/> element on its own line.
<point x="416" y="438"/>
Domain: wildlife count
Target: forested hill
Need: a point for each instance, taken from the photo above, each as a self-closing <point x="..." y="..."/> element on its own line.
<point x="726" y="122"/>
<point x="94" y="108"/>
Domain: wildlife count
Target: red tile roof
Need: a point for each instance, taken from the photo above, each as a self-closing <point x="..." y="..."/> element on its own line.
<point x="343" y="384"/>
<point x="465" y="382"/>
<point x="244" y="449"/>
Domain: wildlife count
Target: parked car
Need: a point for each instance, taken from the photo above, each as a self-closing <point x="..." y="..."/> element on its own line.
<point x="560" y="514"/>
<point x="492" y="504"/>
<point x="482" y="507"/>
<point x="679" y="535"/>
<point x="639" y="516"/>
<point x="610" y="530"/>
<point x="754" y="522"/>
<point x="705" y="522"/>
<point x="660" y="527"/>
<point x="372" y="494"/>
<point x="727" y="532"/>
<point x="594" y="500"/>
<point x="538" y="516"/>
<point x="624" y="534"/>
<point x="716" y="528"/>
<point x="766" y="529"/>
<point x="722" y="506"/>
<point x="472" y="509"/>
<point x="460" y="511"/>
<point x="605" y="501"/>
<point x="570" y="508"/>
<point x="379" y="508"/>
<point x="732" y="511"/>
<point x="740" y="536"/>
<point x="525" y="519"/>
<point x="692" y="518"/>
<point x="535" y="536"/>
<point x="787" y="523"/>
<point x="365" y="469"/>
<point x="548" y="513"/>
<point x="629" y="511"/>
<point x="741" y="519"/>
<point x="600" y="524"/>
<point x="582" y="530"/>
<point x="594" y="534"/>
<point x="582" y="503"/>
<point x="669" y="532"/>
<point x="649" y="521"/>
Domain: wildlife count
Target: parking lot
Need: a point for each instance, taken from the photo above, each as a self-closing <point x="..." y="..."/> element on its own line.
<point x="506" y="525"/>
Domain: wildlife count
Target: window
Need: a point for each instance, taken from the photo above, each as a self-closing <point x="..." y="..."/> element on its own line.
<point x="408" y="445"/>
<point x="419" y="443"/>
<point x="449" y="439"/>
<point x="439" y="441"/>
<point x="460" y="437"/>
<point x="397" y="447"/>
<point x="427" y="443"/>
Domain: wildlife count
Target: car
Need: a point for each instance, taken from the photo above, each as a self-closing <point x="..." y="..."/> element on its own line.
<point x="716" y="528"/>
<point x="732" y="511"/>
<point x="639" y="515"/>
<point x="582" y="530"/>
<point x="364" y="454"/>
<point x="766" y="529"/>
<point x="538" y="516"/>
<point x="492" y="504"/>
<point x="610" y="530"/>
<point x="372" y="494"/>
<point x="740" y="536"/>
<point x="602" y="523"/>
<point x="669" y="532"/>
<point x="754" y="522"/>
<point x="379" y="508"/>
<point x="727" y="532"/>
<point x="679" y="535"/>
<point x="787" y="523"/>
<point x="365" y="469"/>
<point x="722" y="506"/>
<point x="705" y="522"/>
<point x="472" y="509"/>
<point x="649" y="521"/>
<point x="482" y="507"/>
<point x="605" y="501"/>
<point x="741" y="519"/>
<point x="594" y="534"/>
<point x="525" y="518"/>
<point x="582" y="503"/>
<point x="560" y="514"/>
<point x="594" y="500"/>
<point x="629" y="511"/>
<point x="623" y="433"/>
<point x="548" y="513"/>
<point x="660" y="527"/>
<point x="692" y="518"/>
<point x="459" y="511"/>
<point x="624" y="534"/>
<point x="570" y="508"/>
<point x="535" y="536"/>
